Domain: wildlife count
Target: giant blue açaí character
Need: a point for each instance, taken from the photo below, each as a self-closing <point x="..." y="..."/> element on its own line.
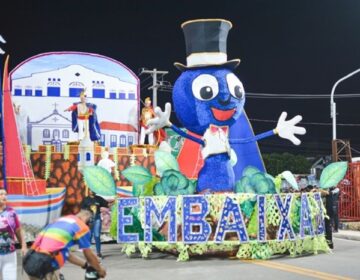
<point x="209" y="101"/>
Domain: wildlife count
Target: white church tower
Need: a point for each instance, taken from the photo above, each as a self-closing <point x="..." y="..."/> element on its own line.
<point x="85" y="153"/>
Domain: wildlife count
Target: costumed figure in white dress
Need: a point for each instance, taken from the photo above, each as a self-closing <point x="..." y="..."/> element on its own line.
<point x="147" y="113"/>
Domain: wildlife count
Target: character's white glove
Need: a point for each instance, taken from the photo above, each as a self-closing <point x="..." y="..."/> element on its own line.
<point x="287" y="129"/>
<point x="2" y="40"/>
<point x="215" y="143"/>
<point x="161" y="120"/>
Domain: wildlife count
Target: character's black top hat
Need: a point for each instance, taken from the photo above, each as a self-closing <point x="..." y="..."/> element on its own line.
<point x="206" y="44"/>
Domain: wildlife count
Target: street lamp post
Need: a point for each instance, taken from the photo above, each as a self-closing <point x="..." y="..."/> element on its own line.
<point x="333" y="104"/>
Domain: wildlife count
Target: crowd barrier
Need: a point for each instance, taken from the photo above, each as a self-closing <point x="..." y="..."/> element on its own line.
<point x="349" y="203"/>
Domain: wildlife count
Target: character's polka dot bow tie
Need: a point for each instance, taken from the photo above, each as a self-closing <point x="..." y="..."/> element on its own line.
<point x="216" y="129"/>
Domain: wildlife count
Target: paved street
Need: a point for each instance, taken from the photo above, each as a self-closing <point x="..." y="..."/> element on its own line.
<point x="343" y="263"/>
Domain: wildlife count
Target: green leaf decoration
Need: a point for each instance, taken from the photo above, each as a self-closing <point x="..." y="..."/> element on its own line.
<point x="257" y="177"/>
<point x="277" y="182"/>
<point x="137" y="190"/>
<point x="290" y="178"/>
<point x="252" y="227"/>
<point x="165" y="161"/>
<point x="135" y="211"/>
<point x="249" y="189"/>
<point x="137" y="175"/>
<point x="148" y="188"/>
<point x="247" y="207"/>
<point x="295" y="214"/>
<point x="114" y="218"/>
<point x="249" y="171"/>
<point x="174" y="183"/>
<point x="262" y="186"/>
<point x="333" y="174"/>
<point x="239" y="187"/>
<point x="99" y="180"/>
<point x="245" y="181"/>
<point x="267" y="175"/>
<point x="271" y="188"/>
<point x="158" y="189"/>
<point x="192" y="187"/>
<point x="194" y="184"/>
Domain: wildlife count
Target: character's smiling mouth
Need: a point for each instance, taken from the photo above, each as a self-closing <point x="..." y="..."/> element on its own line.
<point x="223" y="115"/>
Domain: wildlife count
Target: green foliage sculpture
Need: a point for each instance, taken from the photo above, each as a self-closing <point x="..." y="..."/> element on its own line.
<point x="333" y="174"/>
<point x="99" y="180"/>
<point x="174" y="183"/>
<point x="170" y="182"/>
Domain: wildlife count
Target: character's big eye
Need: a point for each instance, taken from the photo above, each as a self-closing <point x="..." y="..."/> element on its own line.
<point x="205" y="87"/>
<point x="235" y="86"/>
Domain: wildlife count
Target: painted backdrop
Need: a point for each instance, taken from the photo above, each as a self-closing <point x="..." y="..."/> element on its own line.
<point x="45" y="85"/>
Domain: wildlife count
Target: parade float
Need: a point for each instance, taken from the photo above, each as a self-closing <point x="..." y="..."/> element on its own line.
<point x="206" y="192"/>
<point x="216" y="198"/>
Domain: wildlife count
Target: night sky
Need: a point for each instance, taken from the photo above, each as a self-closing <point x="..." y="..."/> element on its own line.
<point x="285" y="47"/>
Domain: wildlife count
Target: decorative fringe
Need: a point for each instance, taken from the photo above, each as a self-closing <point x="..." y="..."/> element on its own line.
<point x="47" y="161"/>
<point x="145" y="249"/>
<point x="132" y="159"/>
<point x="66" y="152"/>
<point x="128" y="249"/>
<point x="116" y="161"/>
<point x="250" y="250"/>
<point x="183" y="251"/>
<point x="145" y="154"/>
<point x="27" y="152"/>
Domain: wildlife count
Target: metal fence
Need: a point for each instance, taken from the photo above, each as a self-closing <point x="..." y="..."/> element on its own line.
<point x="349" y="204"/>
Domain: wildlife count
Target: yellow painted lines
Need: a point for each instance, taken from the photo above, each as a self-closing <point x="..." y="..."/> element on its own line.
<point x="296" y="269"/>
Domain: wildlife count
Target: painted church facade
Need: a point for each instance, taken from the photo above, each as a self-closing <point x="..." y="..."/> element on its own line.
<point x="45" y="95"/>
